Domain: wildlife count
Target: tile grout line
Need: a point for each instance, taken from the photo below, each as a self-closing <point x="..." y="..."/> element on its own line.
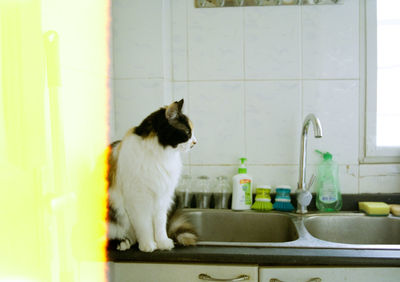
<point x="256" y="80"/>
<point x="301" y="69"/>
<point x="172" y="42"/>
<point x="362" y="89"/>
<point x="239" y="80"/>
<point x="244" y="84"/>
<point x="187" y="75"/>
<point x="113" y="93"/>
<point x="272" y="165"/>
<point x="187" y="41"/>
<point x="301" y="62"/>
<point x="166" y="34"/>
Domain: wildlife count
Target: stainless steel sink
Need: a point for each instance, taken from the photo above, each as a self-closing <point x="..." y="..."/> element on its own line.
<point x="278" y="229"/>
<point x="246" y="226"/>
<point x="354" y="229"/>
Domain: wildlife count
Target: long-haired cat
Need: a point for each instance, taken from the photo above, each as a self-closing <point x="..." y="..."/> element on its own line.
<point x="145" y="167"/>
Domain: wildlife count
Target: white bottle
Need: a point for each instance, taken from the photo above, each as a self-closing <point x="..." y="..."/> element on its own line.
<point x="242" y="194"/>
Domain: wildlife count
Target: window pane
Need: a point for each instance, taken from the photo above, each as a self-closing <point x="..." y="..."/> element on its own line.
<point x="388" y="72"/>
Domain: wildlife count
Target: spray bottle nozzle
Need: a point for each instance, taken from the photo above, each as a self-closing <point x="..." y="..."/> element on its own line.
<point x="326" y="156"/>
<point x="242" y="168"/>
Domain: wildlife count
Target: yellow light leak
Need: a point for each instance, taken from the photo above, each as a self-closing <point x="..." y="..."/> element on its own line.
<point x="54" y="86"/>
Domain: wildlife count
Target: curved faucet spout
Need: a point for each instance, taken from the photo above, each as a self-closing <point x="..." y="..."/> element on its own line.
<point x="301" y="185"/>
<point x="316" y="125"/>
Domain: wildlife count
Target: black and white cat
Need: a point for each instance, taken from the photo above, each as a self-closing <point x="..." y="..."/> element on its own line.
<point x="144" y="169"/>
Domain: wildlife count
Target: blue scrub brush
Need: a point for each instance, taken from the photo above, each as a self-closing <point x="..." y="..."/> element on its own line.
<point x="282" y="199"/>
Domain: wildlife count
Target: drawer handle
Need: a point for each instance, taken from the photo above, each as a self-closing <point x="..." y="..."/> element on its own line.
<point x="207" y="277"/>
<point x="315" y="279"/>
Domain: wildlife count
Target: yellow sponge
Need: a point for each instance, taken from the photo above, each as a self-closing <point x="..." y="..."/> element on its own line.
<point x="374" y="208"/>
<point x="395" y="210"/>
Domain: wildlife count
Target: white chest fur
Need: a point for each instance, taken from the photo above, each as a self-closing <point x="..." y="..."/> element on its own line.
<point x="145" y="164"/>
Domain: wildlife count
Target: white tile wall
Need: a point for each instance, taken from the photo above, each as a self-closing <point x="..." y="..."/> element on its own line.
<point x="217" y="111"/>
<point x="111" y="113"/>
<point x="336" y="104"/>
<point x="273" y="116"/>
<point x="248" y="76"/>
<point x="179" y="39"/>
<point x="348" y="175"/>
<point x="272" y="42"/>
<point x="180" y="91"/>
<point x="213" y="171"/>
<point x="137" y="37"/>
<point x="275" y="175"/>
<point x="134" y="100"/>
<point x="379" y="178"/>
<point x="215" y="42"/>
<point x="330" y="39"/>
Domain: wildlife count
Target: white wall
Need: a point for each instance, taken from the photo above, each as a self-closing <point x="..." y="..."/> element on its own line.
<point x="249" y="76"/>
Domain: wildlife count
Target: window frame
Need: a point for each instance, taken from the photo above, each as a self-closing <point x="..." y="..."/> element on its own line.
<point x="370" y="152"/>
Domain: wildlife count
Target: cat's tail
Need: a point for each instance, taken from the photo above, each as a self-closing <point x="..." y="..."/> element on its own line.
<point x="181" y="230"/>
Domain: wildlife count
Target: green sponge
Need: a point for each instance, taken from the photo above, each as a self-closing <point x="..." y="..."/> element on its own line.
<point x="374" y="208"/>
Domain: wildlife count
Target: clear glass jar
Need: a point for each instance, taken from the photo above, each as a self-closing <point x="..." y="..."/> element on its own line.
<point x="222" y="193"/>
<point x="202" y="192"/>
<point x="183" y="192"/>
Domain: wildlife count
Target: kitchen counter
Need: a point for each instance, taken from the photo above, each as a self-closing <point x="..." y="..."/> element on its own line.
<point x="273" y="255"/>
<point x="261" y="256"/>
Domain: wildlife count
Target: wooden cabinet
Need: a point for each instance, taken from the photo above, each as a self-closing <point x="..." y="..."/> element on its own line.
<point x="329" y="274"/>
<point x="170" y="272"/>
<point x="163" y="272"/>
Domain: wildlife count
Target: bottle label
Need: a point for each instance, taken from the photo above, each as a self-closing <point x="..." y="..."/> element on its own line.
<point x="245" y="184"/>
<point x="328" y="194"/>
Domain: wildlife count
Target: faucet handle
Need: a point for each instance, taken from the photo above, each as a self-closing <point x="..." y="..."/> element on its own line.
<point x="304" y="197"/>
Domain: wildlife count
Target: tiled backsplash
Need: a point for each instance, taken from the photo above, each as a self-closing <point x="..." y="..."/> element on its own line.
<point x="249" y="76"/>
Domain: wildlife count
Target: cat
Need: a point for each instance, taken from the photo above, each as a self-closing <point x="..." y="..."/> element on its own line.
<point x="144" y="169"/>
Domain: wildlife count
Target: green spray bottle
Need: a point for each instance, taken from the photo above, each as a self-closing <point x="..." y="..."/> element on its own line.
<point x="329" y="198"/>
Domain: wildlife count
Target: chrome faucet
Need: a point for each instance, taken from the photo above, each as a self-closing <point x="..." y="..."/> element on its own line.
<point x="303" y="195"/>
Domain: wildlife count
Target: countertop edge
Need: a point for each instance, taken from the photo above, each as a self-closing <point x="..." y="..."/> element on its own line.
<point x="261" y="256"/>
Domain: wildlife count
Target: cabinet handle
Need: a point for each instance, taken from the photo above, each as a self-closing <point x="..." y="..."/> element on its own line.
<point x="315" y="279"/>
<point x="207" y="277"/>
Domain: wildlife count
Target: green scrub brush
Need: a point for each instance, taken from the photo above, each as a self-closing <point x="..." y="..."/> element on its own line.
<point x="263" y="199"/>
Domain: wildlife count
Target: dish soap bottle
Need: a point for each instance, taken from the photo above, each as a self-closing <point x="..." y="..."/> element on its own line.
<point x="242" y="195"/>
<point x="329" y="198"/>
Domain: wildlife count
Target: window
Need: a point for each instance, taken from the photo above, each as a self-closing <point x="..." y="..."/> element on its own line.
<point x="382" y="81"/>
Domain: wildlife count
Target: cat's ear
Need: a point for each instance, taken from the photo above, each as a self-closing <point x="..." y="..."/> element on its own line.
<point x="180" y="105"/>
<point x="173" y="110"/>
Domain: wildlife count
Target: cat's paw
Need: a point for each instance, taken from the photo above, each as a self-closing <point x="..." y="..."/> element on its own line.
<point x="147" y="246"/>
<point x="166" y="244"/>
<point x="124" y="245"/>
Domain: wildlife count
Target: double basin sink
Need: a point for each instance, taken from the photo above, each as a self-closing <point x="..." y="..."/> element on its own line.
<point x="343" y="230"/>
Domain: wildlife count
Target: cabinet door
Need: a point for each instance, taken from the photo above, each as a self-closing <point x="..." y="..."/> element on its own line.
<point x="329" y="274"/>
<point x="160" y="272"/>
